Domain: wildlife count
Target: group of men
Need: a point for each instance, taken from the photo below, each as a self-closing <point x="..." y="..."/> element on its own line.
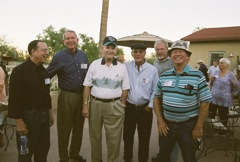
<point x="120" y="97"/>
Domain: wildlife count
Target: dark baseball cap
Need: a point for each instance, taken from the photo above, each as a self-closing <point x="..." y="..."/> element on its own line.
<point x="110" y="40"/>
<point x="138" y="46"/>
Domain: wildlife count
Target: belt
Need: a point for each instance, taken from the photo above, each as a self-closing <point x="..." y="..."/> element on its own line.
<point x="190" y="119"/>
<point x="137" y="106"/>
<point x="37" y="108"/>
<point x="105" y="100"/>
<point x="73" y="91"/>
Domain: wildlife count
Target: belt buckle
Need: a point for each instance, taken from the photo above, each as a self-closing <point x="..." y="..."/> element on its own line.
<point x="137" y="106"/>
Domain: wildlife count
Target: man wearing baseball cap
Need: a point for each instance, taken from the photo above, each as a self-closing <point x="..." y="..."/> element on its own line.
<point x="107" y="85"/>
<point x="181" y="104"/>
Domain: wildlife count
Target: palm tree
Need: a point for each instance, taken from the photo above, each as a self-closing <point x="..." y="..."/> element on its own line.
<point x="103" y="26"/>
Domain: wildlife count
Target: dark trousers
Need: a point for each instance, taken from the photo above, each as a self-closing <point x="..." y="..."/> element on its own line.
<point x="69" y="124"/>
<point x="222" y="113"/>
<point x="181" y="133"/>
<point x="38" y="124"/>
<point x="142" y="120"/>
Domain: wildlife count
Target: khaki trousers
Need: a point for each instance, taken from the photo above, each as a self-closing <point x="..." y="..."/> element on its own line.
<point x="111" y="115"/>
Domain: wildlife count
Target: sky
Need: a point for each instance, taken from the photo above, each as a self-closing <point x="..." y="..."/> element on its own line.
<point x="22" y="20"/>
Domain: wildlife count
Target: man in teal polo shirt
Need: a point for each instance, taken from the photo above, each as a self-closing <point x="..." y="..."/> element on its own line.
<point x="181" y="104"/>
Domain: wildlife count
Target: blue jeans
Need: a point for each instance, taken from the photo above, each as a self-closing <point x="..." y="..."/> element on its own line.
<point x="182" y="133"/>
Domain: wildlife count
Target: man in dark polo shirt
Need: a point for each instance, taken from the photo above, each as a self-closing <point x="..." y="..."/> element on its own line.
<point x="30" y="103"/>
<point x="71" y="66"/>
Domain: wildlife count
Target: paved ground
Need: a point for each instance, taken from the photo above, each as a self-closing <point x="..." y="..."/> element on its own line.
<point x="11" y="154"/>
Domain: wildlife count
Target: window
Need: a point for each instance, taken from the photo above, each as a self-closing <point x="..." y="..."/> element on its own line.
<point x="216" y="55"/>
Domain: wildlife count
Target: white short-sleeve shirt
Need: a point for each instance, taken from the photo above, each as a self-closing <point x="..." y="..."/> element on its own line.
<point x="107" y="81"/>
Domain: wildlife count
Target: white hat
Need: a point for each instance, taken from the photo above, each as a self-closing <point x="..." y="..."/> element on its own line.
<point x="200" y="61"/>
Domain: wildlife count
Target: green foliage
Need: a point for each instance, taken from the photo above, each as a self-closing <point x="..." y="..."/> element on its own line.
<point x="89" y="46"/>
<point x="6" y="49"/>
<point x="120" y="52"/>
<point x="53" y="38"/>
<point x="150" y="59"/>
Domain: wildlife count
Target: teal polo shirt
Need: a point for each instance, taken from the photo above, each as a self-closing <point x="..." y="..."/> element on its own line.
<point x="182" y="93"/>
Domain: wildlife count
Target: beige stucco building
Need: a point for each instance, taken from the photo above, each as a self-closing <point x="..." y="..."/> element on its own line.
<point x="214" y="43"/>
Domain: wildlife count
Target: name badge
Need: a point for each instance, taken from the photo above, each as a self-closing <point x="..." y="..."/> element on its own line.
<point x="145" y="80"/>
<point x="47" y="81"/>
<point x="168" y="83"/>
<point x="83" y="66"/>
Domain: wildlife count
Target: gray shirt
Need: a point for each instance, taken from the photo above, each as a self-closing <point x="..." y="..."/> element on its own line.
<point x="163" y="65"/>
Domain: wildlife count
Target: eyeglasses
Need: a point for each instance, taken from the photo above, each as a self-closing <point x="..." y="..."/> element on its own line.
<point x="43" y="49"/>
<point x="138" y="51"/>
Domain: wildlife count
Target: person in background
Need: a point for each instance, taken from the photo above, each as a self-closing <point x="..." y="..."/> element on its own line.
<point x="143" y="78"/>
<point x="107" y="85"/>
<point x="203" y="68"/>
<point x="213" y="71"/>
<point x="163" y="63"/>
<point x="3" y="97"/>
<point x="30" y="103"/>
<point x="70" y="65"/>
<point x="181" y="104"/>
<point x="225" y="84"/>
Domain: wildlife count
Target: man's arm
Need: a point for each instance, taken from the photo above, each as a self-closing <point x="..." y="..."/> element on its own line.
<point x="86" y="95"/>
<point x="203" y="113"/>
<point x="124" y="97"/>
<point x="162" y="126"/>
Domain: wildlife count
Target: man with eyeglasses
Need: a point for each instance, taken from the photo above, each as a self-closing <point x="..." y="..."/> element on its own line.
<point x="143" y="78"/>
<point x="30" y="103"/>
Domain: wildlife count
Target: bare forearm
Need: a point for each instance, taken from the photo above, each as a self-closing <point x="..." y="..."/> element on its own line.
<point x="157" y="105"/>
<point x="86" y="93"/>
<point x="203" y="113"/>
<point x="124" y="96"/>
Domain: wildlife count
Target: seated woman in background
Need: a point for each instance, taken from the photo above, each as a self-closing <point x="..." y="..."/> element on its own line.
<point x="225" y="84"/>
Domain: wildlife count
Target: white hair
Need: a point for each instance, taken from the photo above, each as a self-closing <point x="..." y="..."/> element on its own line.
<point x="161" y="41"/>
<point x="225" y="60"/>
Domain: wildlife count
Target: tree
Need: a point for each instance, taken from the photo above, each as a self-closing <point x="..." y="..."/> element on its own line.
<point x="53" y="38"/>
<point x="150" y="59"/>
<point x="103" y="25"/>
<point x="89" y="46"/>
<point x="6" y="49"/>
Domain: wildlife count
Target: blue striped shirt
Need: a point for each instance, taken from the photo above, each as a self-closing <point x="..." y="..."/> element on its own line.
<point x="182" y="93"/>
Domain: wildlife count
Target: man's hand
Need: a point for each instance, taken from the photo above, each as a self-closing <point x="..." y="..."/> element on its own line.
<point x="120" y="58"/>
<point x="197" y="133"/>
<point x="85" y="111"/>
<point x="21" y="127"/>
<point x="162" y="128"/>
<point x="51" y="118"/>
<point x="148" y="109"/>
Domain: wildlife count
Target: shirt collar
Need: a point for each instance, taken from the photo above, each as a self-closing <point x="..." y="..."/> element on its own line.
<point x="167" y="58"/>
<point x="114" y="61"/>
<point x="32" y="65"/>
<point x="72" y="53"/>
<point x="185" y="70"/>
